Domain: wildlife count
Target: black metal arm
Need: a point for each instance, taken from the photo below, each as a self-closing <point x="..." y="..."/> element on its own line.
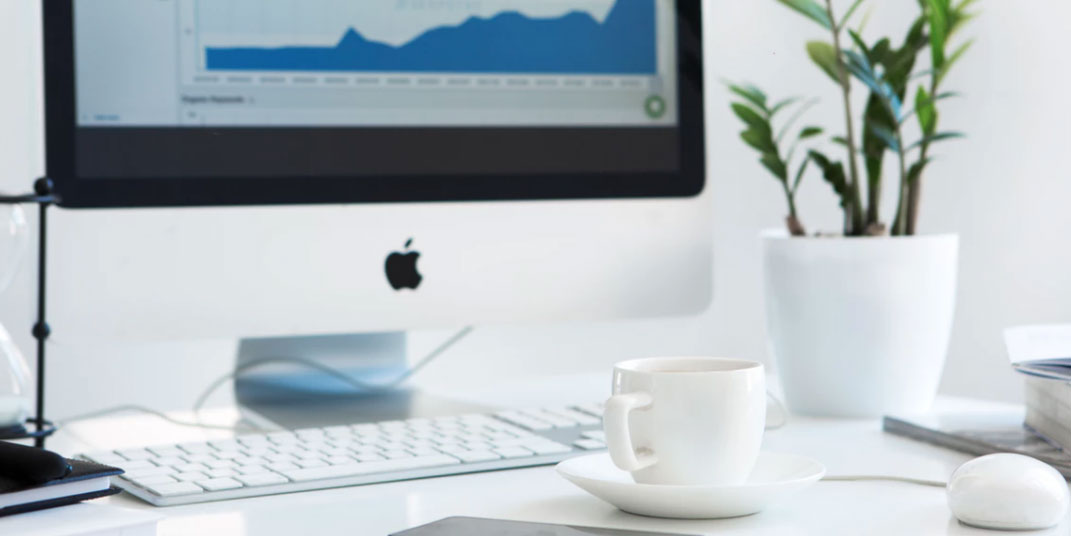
<point x="43" y="198"/>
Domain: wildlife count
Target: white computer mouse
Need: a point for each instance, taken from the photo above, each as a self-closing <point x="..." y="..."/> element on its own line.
<point x="1008" y="492"/>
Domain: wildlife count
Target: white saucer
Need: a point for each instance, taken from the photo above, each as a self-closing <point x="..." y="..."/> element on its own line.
<point x="775" y="477"/>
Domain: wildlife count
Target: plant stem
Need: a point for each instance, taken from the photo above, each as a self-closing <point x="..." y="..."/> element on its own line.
<point x="795" y="227"/>
<point x="853" y="213"/>
<point x="900" y="226"/>
<point x="914" y="190"/>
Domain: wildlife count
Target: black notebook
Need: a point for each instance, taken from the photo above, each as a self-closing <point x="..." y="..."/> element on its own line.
<point x="87" y="480"/>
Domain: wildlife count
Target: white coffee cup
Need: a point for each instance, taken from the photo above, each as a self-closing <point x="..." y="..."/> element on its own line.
<point x="686" y="420"/>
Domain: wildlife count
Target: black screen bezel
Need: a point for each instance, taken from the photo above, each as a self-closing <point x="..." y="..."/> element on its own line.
<point x="74" y="191"/>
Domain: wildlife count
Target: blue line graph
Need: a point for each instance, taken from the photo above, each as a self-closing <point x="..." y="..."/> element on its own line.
<point x="507" y="43"/>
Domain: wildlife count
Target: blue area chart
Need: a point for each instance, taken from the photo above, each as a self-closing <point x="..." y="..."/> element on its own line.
<point x="508" y="43"/>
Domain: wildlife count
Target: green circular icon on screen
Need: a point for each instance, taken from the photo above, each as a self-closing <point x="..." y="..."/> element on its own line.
<point x="655" y="107"/>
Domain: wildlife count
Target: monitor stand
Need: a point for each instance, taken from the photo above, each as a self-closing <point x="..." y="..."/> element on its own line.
<point x="293" y="396"/>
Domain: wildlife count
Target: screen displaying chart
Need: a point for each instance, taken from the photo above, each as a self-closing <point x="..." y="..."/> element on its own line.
<point x="509" y="42"/>
<point x="377" y="63"/>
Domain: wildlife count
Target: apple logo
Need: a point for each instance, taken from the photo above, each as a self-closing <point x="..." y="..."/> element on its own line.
<point x="402" y="269"/>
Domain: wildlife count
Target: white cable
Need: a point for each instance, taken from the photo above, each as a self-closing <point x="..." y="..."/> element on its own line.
<point x="127" y="408"/>
<point x="242" y="425"/>
<point x="879" y="478"/>
<point x="850" y="478"/>
<point x="356" y="384"/>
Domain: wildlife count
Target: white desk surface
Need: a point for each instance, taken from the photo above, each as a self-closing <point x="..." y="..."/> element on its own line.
<point x="538" y="494"/>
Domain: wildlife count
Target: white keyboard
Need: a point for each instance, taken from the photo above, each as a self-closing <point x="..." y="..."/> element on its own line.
<point x="337" y="456"/>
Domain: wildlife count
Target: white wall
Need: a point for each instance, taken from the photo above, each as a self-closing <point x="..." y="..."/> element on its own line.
<point x="1006" y="190"/>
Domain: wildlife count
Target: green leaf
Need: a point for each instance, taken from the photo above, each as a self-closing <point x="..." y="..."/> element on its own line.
<point x="799" y="174"/>
<point x="833" y="173"/>
<point x="750" y="93"/>
<point x="795" y="117"/>
<point x="758" y="140"/>
<point x="861" y="45"/>
<point x="951" y="61"/>
<point x="840" y="140"/>
<point x="824" y="55"/>
<point x="874" y="148"/>
<point x="866" y="19"/>
<point x="927" y="110"/>
<point x="782" y="105"/>
<point x="860" y="68"/>
<point x="927" y="140"/>
<point x="848" y="14"/>
<point x="751" y="117"/>
<point x="885" y="135"/>
<point x="810" y="132"/>
<point x="774" y="164"/>
<point x="915" y="172"/>
<point x="811" y="10"/>
<point x="938" y="18"/>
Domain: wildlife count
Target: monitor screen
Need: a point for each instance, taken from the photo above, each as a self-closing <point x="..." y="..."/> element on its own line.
<point x="185" y="102"/>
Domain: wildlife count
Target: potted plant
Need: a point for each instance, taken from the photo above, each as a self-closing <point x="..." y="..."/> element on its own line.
<point x="859" y="322"/>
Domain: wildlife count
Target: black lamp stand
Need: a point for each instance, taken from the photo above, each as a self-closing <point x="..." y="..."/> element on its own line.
<point x="42" y="428"/>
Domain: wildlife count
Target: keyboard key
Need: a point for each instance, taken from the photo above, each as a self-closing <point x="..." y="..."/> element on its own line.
<point x="547" y="447"/>
<point x="176" y="489"/>
<point x="166" y="461"/>
<point x="597" y="435"/>
<point x="190" y="468"/>
<point x="514" y="442"/>
<point x="226" y="444"/>
<point x="309" y="464"/>
<point x="595" y="410"/>
<point x="556" y="421"/>
<point x="357" y="469"/>
<point x="475" y="456"/>
<point x="277" y="458"/>
<point x="221" y="473"/>
<point x="151" y="481"/>
<point x="590" y="444"/>
<point x="191" y="476"/>
<point x="525" y="422"/>
<point x="140" y="464"/>
<point x="514" y="452"/>
<point x="106" y="458"/>
<point x="135" y="454"/>
<point x="282" y="466"/>
<point x="262" y="479"/>
<point x="166" y="451"/>
<point x="219" y="484"/>
<point x="252" y="470"/>
<point x="195" y="448"/>
<point x="220" y="464"/>
<point x="581" y="419"/>
<point x="149" y="471"/>
<point x="422" y="451"/>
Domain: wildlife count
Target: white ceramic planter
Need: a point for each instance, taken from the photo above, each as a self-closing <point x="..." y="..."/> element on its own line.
<point x="859" y="327"/>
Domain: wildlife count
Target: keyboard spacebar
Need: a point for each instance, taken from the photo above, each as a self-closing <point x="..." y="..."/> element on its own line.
<point x="367" y="468"/>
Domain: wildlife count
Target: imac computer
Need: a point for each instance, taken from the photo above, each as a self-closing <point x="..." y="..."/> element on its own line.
<point x="322" y="175"/>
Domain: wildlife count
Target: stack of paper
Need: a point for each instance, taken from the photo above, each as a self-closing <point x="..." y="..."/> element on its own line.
<point x="1043" y="355"/>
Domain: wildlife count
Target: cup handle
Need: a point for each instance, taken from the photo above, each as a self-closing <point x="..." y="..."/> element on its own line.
<point x="618" y="437"/>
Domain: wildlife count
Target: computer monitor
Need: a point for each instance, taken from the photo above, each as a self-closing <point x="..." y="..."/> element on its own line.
<point x="446" y="163"/>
